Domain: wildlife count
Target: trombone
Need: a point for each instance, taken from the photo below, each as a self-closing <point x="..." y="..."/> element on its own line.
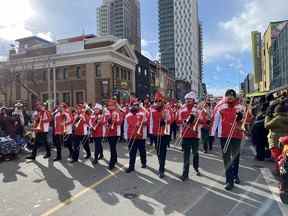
<point x="246" y="114"/>
<point x="232" y="130"/>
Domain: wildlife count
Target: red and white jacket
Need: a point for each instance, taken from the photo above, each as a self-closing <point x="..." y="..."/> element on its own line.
<point x="223" y="121"/>
<point x="187" y="130"/>
<point x="81" y="124"/>
<point x="43" y="118"/>
<point x="114" y="129"/>
<point x="97" y="124"/>
<point x="60" y="122"/>
<point x="132" y="123"/>
<point x="155" y="119"/>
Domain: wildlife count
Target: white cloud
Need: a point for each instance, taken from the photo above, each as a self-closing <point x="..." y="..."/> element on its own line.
<point x="3" y="58"/>
<point x="13" y="15"/>
<point x="234" y="35"/>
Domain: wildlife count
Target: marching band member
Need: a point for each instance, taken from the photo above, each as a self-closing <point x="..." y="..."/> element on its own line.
<point x="113" y="130"/>
<point x="96" y="123"/>
<point x="189" y="133"/>
<point x="159" y="126"/>
<point x="81" y="127"/>
<point x="227" y="122"/>
<point x="60" y="124"/>
<point x="41" y="127"/>
<point x="205" y="126"/>
<point x="135" y="132"/>
<point x="68" y="133"/>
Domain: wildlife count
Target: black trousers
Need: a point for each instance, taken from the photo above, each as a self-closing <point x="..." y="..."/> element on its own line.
<point x="133" y="146"/>
<point x="113" y="150"/>
<point x="161" y="148"/>
<point x="58" y="142"/>
<point x="231" y="159"/>
<point x="188" y="144"/>
<point x="174" y="129"/>
<point x="78" y="140"/>
<point x="68" y="143"/>
<point x="205" y="138"/>
<point x="98" y="147"/>
<point x="41" y="139"/>
<point x="211" y="141"/>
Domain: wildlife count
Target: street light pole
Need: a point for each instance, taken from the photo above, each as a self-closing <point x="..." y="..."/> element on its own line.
<point x="49" y="83"/>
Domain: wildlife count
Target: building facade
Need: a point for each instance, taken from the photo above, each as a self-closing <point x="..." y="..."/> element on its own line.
<point x="180" y="37"/>
<point x="257" y="57"/>
<point x="79" y="69"/>
<point x="120" y="18"/>
<point x="166" y="34"/>
<point x="280" y="58"/>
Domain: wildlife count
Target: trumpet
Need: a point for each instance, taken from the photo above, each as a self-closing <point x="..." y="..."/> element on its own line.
<point x="76" y="124"/>
<point x="98" y="120"/>
<point x="199" y="116"/>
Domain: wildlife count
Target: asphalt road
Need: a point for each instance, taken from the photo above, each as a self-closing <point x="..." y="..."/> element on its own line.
<point x="47" y="188"/>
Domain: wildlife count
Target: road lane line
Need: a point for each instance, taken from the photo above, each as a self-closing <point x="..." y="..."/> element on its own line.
<point x="85" y="190"/>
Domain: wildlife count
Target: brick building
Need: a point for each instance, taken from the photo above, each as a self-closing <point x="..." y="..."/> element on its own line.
<point x="80" y="69"/>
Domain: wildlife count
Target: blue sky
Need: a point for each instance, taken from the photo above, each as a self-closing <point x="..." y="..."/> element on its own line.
<point x="227" y="25"/>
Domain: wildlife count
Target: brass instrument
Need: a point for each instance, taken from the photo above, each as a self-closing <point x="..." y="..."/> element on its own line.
<point x="140" y="127"/>
<point x="198" y="119"/>
<point x="113" y="120"/>
<point x="246" y="114"/>
<point x="98" y="120"/>
<point x="38" y="127"/>
<point x="166" y="127"/>
<point x="76" y="124"/>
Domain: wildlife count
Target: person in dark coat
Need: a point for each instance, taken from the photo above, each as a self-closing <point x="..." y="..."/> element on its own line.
<point x="7" y="123"/>
<point x="259" y="134"/>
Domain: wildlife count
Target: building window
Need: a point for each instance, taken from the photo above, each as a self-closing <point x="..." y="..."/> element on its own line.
<point x="105" y="89"/>
<point x="129" y="75"/>
<point x="117" y="73"/>
<point x="79" y="97"/>
<point x="122" y="74"/>
<point x="66" y="98"/>
<point x="44" y="75"/>
<point x="97" y="70"/>
<point x="65" y="74"/>
<point x="78" y="72"/>
<point x="58" y="74"/>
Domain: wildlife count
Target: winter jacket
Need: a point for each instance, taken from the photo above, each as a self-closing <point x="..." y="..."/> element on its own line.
<point x="278" y="127"/>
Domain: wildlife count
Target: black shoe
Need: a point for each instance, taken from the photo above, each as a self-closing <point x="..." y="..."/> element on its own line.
<point x="111" y="167"/>
<point x="183" y="178"/>
<point x="57" y="159"/>
<point x="73" y="161"/>
<point x="101" y="157"/>
<point x="161" y="175"/>
<point x="129" y="170"/>
<point x="144" y="166"/>
<point x="237" y="180"/>
<point x="46" y="156"/>
<point x="95" y="161"/>
<point x="87" y="157"/>
<point x="229" y="186"/>
<point x="30" y="158"/>
<point x="198" y="173"/>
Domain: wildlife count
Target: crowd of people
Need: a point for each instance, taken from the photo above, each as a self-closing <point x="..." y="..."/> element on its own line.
<point x="269" y="132"/>
<point x="157" y="122"/>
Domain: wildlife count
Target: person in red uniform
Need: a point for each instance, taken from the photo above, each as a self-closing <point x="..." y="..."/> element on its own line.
<point x="113" y="130"/>
<point x="68" y="132"/>
<point x="97" y="123"/>
<point x="81" y="127"/>
<point x="159" y="127"/>
<point x="41" y="127"/>
<point x="135" y="132"/>
<point x="60" y="119"/>
<point x="189" y="125"/>
<point x="229" y="112"/>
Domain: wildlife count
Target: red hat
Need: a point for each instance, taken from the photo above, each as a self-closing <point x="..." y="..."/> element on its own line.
<point x="284" y="140"/>
<point x="159" y="96"/>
